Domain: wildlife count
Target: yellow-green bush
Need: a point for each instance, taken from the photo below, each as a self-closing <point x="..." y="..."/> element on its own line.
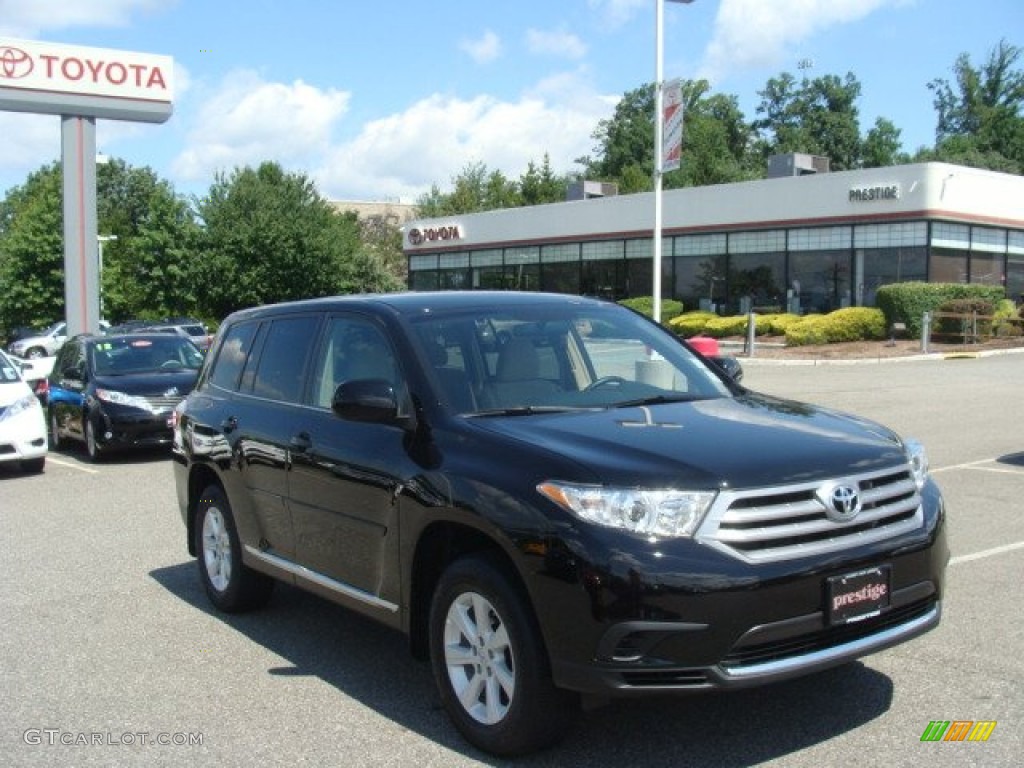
<point x="720" y="327"/>
<point x="690" y="323"/>
<point x="809" y="329"/>
<point x="776" y="325"/>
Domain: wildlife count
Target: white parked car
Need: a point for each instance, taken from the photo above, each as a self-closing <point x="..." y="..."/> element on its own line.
<point x="22" y="421"/>
<point x="47" y="343"/>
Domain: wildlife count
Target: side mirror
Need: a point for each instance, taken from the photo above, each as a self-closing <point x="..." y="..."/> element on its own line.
<point x="372" y="401"/>
<point x="730" y="366"/>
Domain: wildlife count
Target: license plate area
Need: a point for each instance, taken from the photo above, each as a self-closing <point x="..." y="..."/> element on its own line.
<point x="857" y="596"/>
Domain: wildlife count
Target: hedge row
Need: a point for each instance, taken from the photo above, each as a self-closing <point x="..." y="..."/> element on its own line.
<point x="907" y="302"/>
<point x="850" y="324"/>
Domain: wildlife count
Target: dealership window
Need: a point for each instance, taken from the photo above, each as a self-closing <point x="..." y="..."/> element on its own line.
<point x="757" y="270"/>
<point x="1015" y="266"/>
<point x="486" y="270"/>
<point x="640" y="267"/>
<point x="988" y="255"/>
<point x="522" y="268"/>
<point x="950" y="244"/>
<point x="699" y="263"/>
<point x="604" y="269"/>
<point x="560" y="268"/>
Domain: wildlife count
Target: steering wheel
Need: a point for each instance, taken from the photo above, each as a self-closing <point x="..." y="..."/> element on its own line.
<point x="171" y="364"/>
<point x="605" y="381"/>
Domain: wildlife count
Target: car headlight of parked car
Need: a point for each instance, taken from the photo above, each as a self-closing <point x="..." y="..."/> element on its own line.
<point x="122" y="398"/>
<point x="661" y="512"/>
<point x="26" y="403"/>
<point x="918" y="460"/>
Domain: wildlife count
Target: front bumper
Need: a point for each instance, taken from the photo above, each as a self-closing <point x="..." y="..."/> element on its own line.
<point x="693" y="619"/>
<point x="131" y="427"/>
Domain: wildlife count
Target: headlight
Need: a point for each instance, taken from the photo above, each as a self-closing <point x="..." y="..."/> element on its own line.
<point x="918" y="460"/>
<point x="121" y="398"/>
<point x="25" y="403"/>
<point x="652" y="512"/>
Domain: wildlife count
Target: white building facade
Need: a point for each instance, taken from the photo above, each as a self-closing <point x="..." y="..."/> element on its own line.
<point x="809" y="243"/>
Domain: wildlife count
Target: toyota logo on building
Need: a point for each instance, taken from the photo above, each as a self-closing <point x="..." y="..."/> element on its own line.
<point x="14" y="63"/>
<point x="433" y="234"/>
<point x="841" y="501"/>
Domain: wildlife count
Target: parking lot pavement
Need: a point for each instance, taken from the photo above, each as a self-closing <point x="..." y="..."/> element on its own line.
<point x="108" y="642"/>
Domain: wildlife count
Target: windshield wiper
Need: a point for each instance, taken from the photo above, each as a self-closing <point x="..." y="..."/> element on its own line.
<point x="529" y="410"/>
<point x="655" y="400"/>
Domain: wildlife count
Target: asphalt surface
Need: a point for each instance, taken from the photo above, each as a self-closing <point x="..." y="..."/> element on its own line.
<point x="108" y="644"/>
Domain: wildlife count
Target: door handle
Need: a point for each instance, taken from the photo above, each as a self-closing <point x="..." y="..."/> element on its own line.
<point x="230" y="424"/>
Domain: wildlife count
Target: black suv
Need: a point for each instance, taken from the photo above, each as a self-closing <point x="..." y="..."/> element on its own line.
<point x="553" y="497"/>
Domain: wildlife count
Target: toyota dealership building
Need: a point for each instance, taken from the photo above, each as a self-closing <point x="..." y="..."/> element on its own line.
<point x="807" y="243"/>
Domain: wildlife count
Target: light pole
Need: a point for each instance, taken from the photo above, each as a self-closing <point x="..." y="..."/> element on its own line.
<point x="100" y="240"/>
<point x="659" y="90"/>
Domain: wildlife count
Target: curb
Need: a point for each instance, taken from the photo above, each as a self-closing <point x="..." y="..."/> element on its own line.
<point x="756" y="361"/>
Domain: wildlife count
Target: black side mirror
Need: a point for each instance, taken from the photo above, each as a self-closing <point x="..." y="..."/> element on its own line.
<point x="367" y="400"/>
<point x="730" y="366"/>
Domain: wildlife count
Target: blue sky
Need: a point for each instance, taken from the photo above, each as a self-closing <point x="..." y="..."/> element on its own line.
<point x="380" y="100"/>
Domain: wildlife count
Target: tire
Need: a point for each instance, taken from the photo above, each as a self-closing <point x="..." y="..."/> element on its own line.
<point x="55" y="440"/>
<point x="231" y="585"/>
<point x="33" y="466"/>
<point x="92" y="447"/>
<point x="490" y="664"/>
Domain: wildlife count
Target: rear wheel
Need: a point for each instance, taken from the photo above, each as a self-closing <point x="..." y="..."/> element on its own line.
<point x="230" y="584"/>
<point x="490" y="664"/>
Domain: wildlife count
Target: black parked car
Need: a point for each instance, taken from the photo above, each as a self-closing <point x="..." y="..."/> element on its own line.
<point x="119" y="391"/>
<point x="549" y="513"/>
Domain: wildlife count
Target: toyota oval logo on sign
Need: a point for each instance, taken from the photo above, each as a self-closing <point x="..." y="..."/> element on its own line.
<point x="14" y="63"/>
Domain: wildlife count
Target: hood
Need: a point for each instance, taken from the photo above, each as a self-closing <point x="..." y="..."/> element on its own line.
<point x="157" y="384"/>
<point x="742" y="442"/>
<point x="12" y="391"/>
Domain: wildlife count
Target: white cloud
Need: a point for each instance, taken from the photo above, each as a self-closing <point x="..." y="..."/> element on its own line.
<point x="19" y="18"/>
<point x="483" y="49"/>
<point x="29" y="141"/>
<point x="435" y="139"/>
<point x="751" y="34"/>
<point x="246" y="121"/>
<point x="615" y="13"/>
<point x="563" y="44"/>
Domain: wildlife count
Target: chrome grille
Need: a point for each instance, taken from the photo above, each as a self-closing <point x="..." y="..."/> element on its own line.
<point x="162" y="403"/>
<point x="786" y="522"/>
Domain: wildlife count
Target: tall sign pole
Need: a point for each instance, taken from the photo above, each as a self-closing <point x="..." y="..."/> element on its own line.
<point x="659" y="150"/>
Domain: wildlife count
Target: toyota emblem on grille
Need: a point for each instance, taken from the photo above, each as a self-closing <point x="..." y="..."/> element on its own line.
<point x="172" y="392"/>
<point x="841" y="501"/>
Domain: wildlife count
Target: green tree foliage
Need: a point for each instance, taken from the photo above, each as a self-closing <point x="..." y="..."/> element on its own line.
<point x="32" y="251"/>
<point x="818" y="117"/>
<point x="980" y="117"/>
<point x="269" y="236"/>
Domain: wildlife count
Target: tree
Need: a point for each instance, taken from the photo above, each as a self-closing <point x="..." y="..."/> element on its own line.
<point x="882" y="146"/>
<point x="32" y="251"/>
<point x="270" y="237"/>
<point x="979" y="119"/>
<point x="817" y="117"/>
<point x="541" y="185"/>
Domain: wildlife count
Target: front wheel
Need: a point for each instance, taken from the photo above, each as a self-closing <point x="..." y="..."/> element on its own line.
<point x="230" y="584"/>
<point x="490" y="664"/>
<point x="92" y="446"/>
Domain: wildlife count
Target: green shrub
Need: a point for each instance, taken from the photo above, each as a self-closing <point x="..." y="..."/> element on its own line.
<point x="778" y="323"/>
<point x="907" y="302"/>
<point x="1005" y="308"/>
<point x="720" y="327"/>
<point x="690" y="323"/>
<point x="855" y="324"/>
<point x="645" y="305"/>
<point x="810" y="329"/>
<point x="967" y="322"/>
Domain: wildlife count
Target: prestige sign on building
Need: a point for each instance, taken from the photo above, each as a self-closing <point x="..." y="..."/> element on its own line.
<point x="98" y="82"/>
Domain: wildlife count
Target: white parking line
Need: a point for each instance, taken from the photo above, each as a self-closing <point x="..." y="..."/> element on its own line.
<point x="986" y="553"/>
<point x="69" y="465"/>
<point x="977" y="465"/>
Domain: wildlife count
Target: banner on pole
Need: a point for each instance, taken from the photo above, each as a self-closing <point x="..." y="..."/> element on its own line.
<point x="672" y="124"/>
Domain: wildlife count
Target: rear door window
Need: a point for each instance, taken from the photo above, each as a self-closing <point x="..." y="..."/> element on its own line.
<point x="282" y="365"/>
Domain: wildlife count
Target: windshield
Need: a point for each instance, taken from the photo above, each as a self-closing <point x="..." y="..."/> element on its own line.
<point x="543" y="357"/>
<point x="130" y="355"/>
<point x="9" y="371"/>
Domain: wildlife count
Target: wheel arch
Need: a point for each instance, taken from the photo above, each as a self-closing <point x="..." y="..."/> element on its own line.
<point x="438" y="546"/>
<point x="199" y="478"/>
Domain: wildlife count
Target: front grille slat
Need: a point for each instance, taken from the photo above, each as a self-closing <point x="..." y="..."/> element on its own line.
<point x="780" y="523"/>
